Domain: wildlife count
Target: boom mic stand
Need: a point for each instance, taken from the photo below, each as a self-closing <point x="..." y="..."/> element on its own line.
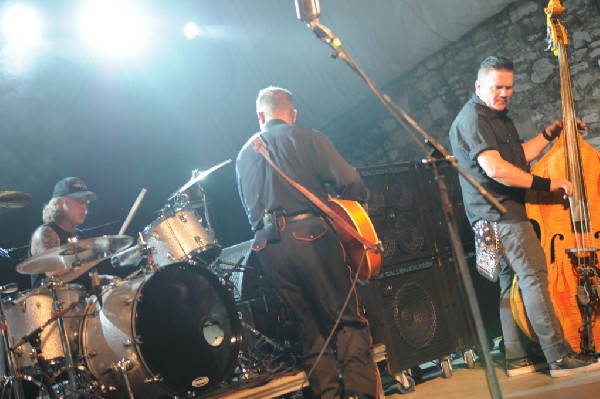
<point x="325" y="34"/>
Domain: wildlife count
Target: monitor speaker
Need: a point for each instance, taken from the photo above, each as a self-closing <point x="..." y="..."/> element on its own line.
<point x="415" y="309"/>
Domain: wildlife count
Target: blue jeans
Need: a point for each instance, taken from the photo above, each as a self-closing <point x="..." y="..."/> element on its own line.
<point x="524" y="256"/>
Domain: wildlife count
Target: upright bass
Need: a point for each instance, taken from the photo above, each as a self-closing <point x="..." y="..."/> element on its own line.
<point x="567" y="228"/>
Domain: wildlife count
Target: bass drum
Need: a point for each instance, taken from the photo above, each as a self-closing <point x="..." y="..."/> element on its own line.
<point x="177" y="329"/>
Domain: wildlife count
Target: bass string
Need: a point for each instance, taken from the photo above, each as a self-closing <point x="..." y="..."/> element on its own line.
<point x="580" y="211"/>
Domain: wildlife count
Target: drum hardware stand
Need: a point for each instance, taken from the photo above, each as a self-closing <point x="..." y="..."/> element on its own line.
<point x="123" y="367"/>
<point x="226" y="275"/>
<point x="95" y="286"/>
<point x="261" y="335"/>
<point x="206" y="215"/>
<point x="34" y="339"/>
<point x="63" y="337"/>
<point x="12" y="377"/>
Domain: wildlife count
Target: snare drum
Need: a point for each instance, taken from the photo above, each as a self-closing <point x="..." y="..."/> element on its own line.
<point x="179" y="236"/>
<point x="32" y="309"/>
<point x="178" y="328"/>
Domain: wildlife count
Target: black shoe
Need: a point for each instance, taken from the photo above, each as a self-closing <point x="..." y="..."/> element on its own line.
<point x="515" y="367"/>
<point x="573" y="364"/>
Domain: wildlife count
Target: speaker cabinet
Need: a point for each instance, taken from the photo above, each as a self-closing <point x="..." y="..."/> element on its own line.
<point x="415" y="309"/>
<point x="451" y="180"/>
<point x="400" y="210"/>
<point x="407" y="213"/>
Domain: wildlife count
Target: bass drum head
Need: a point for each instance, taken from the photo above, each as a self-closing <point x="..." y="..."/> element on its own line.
<point x="189" y="329"/>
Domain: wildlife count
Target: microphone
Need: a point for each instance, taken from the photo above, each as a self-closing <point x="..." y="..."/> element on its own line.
<point x="307" y="10"/>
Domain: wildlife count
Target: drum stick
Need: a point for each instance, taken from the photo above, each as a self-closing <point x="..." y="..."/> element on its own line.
<point x="132" y="211"/>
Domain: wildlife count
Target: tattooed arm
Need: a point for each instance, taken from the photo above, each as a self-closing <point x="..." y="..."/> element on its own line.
<point x="43" y="239"/>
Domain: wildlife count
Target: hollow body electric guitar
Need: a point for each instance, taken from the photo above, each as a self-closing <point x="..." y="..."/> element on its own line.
<point x="363" y="260"/>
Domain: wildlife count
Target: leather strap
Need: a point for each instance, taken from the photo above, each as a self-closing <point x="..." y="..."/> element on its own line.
<point x="259" y="145"/>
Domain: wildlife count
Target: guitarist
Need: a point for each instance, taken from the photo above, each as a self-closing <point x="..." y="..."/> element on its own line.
<point x="299" y="251"/>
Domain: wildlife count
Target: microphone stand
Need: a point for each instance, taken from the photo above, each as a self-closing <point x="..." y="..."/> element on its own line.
<point x="325" y="34"/>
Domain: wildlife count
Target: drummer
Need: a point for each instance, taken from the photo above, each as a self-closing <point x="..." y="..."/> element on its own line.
<point x="62" y="216"/>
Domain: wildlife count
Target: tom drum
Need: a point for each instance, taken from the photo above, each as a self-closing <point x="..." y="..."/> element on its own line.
<point x="32" y="309"/>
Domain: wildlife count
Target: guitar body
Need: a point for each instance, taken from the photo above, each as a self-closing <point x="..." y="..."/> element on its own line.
<point x="363" y="261"/>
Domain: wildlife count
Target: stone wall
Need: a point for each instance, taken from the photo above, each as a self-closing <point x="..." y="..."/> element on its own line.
<point x="433" y="92"/>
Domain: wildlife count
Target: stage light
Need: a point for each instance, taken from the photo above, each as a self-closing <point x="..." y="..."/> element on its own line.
<point x="114" y="27"/>
<point x="21" y="38"/>
<point x="191" y="30"/>
<point x="21" y="27"/>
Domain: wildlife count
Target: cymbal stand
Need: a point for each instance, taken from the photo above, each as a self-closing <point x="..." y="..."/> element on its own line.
<point x="63" y="338"/>
<point x="206" y="215"/>
<point x="12" y="378"/>
<point x="149" y="266"/>
<point x="123" y="366"/>
<point x="35" y="340"/>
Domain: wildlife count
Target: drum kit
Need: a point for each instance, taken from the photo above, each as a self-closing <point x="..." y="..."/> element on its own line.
<point x="172" y="328"/>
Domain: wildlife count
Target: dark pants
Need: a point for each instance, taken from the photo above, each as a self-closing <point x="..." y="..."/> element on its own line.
<point x="307" y="268"/>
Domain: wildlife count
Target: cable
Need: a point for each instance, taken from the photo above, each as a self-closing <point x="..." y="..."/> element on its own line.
<point x="337" y="322"/>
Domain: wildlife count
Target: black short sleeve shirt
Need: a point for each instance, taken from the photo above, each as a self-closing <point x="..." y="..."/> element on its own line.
<point x="478" y="128"/>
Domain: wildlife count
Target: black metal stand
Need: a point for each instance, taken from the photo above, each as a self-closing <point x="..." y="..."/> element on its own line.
<point x="459" y="255"/>
<point x="11" y="381"/>
<point x="12" y="377"/>
<point x="325" y="34"/>
<point x="587" y="296"/>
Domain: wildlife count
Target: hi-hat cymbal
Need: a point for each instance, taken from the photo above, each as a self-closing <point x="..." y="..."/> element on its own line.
<point x="71" y="260"/>
<point x="13" y="200"/>
<point x="198" y="176"/>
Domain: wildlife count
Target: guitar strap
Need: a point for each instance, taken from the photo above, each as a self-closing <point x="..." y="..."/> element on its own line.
<point x="259" y="145"/>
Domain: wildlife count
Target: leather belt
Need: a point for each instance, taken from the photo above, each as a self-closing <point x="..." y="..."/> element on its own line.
<point x="299" y="216"/>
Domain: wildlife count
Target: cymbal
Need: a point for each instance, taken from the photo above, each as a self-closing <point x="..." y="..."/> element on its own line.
<point x="199" y="176"/>
<point x="41" y="264"/>
<point x="71" y="260"/>
<point x="13" y="200"/>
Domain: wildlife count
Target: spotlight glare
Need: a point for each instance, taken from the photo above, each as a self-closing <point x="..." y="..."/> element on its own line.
<point x="191" y="30"/>
<point x="114" y="27"/>
<point x="21" y="26"/>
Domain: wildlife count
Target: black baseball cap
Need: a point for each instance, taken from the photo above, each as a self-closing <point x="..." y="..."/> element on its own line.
<point x="72" y="187"/>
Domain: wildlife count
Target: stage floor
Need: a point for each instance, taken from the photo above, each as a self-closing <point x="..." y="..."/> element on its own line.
<point x="471" y="384"/>
<point x="464" y="383"/>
